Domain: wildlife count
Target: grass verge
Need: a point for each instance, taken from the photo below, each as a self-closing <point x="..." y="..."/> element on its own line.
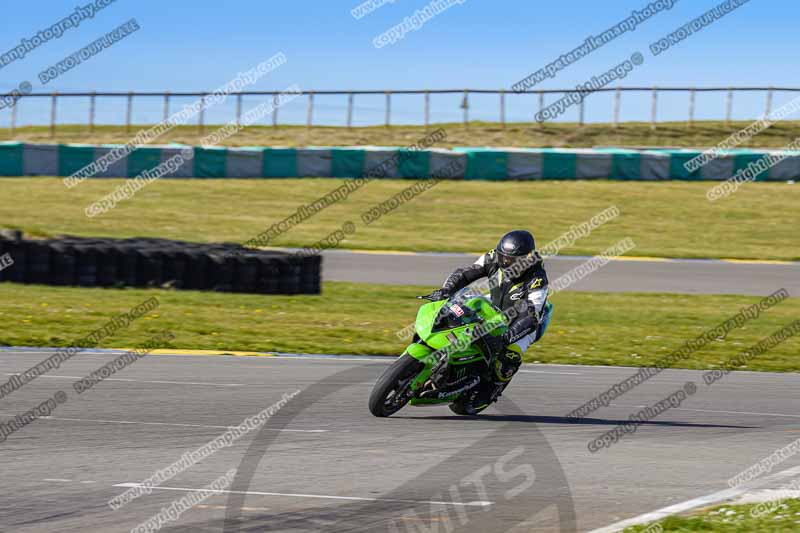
<point x="671" y="219"/>
<point x="354" y="318"/>
<point x="635" y="134"/>
<point x="784" y="518"/>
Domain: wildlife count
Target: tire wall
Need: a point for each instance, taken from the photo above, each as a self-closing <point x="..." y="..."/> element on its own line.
<point x="146" y="262"/>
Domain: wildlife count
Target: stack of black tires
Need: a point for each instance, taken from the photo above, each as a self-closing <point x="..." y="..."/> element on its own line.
<point x="147" y="262"/>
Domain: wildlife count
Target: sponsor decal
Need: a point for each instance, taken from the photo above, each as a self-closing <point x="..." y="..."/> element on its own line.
<point x="466" y="387"/>
<point x="456" y="309"/>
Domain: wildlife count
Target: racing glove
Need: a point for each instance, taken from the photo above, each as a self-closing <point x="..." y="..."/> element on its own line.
<point x="439" y="294"/>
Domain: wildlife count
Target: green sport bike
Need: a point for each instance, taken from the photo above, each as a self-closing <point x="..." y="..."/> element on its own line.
<point x="449" y="360"/>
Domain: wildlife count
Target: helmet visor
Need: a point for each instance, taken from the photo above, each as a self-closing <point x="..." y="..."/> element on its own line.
<point x="507" y="261"/>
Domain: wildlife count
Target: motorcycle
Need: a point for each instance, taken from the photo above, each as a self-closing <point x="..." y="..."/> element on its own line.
<point x="449" y="360"/>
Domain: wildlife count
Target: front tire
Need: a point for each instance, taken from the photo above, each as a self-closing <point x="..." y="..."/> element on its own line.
<point x="391" y="392"/>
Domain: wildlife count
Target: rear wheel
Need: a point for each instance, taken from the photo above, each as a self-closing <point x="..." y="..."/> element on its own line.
<point x="476" y="400"/>
<point x="393" y="389"/>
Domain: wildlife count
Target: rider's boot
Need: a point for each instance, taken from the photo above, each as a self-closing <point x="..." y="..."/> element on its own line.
<point x="506" y="364"/>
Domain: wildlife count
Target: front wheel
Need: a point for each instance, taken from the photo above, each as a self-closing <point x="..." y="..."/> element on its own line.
<point x="392" y="391"/>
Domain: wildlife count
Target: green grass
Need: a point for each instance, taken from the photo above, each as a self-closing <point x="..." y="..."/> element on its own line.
<point x="734" y="519"/>
<point x="354" y="318"/>
<point x="670" y="219"/>
<point x="639" y="134"/>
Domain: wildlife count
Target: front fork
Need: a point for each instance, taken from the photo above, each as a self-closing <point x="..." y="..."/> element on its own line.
<point x="421" y="353"/>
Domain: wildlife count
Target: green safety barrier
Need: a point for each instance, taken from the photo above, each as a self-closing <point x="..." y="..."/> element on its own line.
<point x="24" y="159"/>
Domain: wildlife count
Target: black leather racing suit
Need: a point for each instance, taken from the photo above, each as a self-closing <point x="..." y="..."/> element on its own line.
<point x="527" y="292"/>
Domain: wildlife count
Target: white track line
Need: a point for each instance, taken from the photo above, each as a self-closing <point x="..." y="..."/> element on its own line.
<point x="322" y="496"/>
<point x="738" y="412"/>
<point x="306" y="357"/>
<point x="99" y="421"/>
<point x="315" y="357"/>
<point x="546" y="372"/>
<point x="702" y="501"/>
<point x="715" y="411"/>
<point x="384" y="359"/>
<point x="141" y="380"/>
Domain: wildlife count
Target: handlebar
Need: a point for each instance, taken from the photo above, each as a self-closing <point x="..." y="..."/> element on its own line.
<point x="428" y="297"/>
<point x="467" y="310"/>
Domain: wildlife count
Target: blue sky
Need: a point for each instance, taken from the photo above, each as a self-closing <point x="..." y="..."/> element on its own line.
<point x="199" y="45"/>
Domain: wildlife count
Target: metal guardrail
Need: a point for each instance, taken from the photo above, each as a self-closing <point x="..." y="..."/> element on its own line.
<point x="426" y="93"/>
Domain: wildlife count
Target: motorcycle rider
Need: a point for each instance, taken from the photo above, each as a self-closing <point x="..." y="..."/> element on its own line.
<point x="517" y="278"/>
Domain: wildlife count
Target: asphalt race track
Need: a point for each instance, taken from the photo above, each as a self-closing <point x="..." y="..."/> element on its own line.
<point x="684" y="276"/>
<point x="323" y="463"/>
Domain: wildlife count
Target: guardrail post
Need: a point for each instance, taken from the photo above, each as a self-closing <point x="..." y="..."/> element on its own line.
<point x="617" y="98"/>
<point x="465" y="105"/>
<point x="238" y="109"/>
<point x="729" y="107"/>
<point x="388" y="108"/>
<point x="201" y="119"/>
<point x="692" y="94"/>
<point x="350" y="110"/>
<point x="128" y="113"/>
<point x="166" y="107"/>
<point x="541" y="107"/>
<point x="310" y="111"/>
<point x="91" y="110"/>
<point x="769" y="104"/>
<point x="503" y="107"/>
<point x="275" y="110"/>
<point x="654" y="109"/>
<point x="427" y="108"/>
<point x="581" y="110"/>
<point x="14" y="116"/>
<point x="54" y="97"/>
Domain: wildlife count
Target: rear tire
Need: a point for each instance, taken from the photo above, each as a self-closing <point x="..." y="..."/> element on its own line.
<point x="390" y="393"/>
<point x="474" y="401"/>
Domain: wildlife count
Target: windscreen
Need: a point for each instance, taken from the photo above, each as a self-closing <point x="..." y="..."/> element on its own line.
<point x="466" y="306"/>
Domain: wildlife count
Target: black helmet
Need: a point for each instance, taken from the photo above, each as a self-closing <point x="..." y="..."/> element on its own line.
<point x="514" y="246"/>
